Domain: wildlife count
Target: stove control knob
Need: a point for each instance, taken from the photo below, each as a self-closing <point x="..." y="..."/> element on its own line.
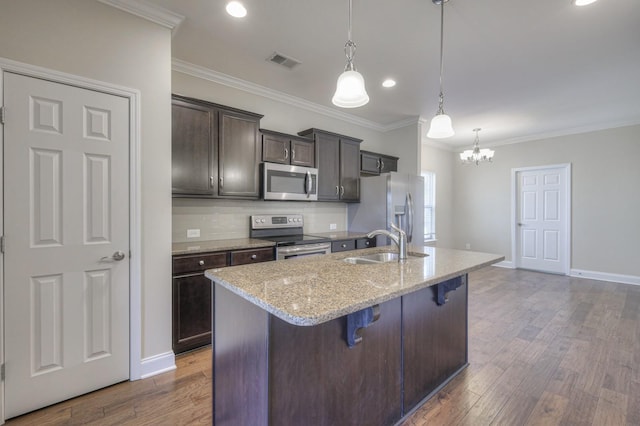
<point x="290" y="219"/>
<point x="257" y="220"/>
<point x="298" y="220"/>
<point x="261" y="220"/>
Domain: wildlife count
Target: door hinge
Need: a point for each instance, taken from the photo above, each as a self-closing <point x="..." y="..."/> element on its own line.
<point x="1" y="115"/>
<point x="2" y="372"/>
<point x="2" y="244"/>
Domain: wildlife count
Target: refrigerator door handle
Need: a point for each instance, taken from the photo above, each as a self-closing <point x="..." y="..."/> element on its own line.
<point x="409" y="204"/>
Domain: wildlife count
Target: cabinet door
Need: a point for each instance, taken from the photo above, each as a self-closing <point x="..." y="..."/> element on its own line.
<point x="193" y="137"/>
<point x="369" y="163"/>
<point x="303" y="153"/>
<point x="328" y="164"/>
<point x="388" y="164"/>
<point x="239" y="156"/>
<point x="275" y="149"/>
<point x="191" y="312"/>
<point x="349" y="170"/>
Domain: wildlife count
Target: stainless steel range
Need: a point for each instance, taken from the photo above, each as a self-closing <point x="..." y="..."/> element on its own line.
<point x="286" y="230"/>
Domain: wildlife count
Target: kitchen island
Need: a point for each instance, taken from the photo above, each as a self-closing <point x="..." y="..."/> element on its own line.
<point x="322" y="341"/>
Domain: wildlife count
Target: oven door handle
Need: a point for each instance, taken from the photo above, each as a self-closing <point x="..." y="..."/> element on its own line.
<point x="304" y="248"/>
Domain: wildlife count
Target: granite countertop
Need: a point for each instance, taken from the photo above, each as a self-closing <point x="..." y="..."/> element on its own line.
<point x="195" y="247"/>
<point x="314" y="290"/>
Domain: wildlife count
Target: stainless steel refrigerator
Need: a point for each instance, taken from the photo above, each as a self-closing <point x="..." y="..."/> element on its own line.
<point x="390" y="197"/>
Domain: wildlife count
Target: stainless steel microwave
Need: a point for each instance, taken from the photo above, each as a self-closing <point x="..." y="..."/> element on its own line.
<point x="285" y="182"/>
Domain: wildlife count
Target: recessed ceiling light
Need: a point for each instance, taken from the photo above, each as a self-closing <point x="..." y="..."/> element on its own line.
<point x="583" y="2"/>
<point x="236" y="9"/>
<point x="388" y="83"/>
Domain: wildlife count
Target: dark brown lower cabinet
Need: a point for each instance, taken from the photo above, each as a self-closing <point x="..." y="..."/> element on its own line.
<point x="192" y="292"/>
<point x="269" y="372"/>
<point x="191" y="312"/>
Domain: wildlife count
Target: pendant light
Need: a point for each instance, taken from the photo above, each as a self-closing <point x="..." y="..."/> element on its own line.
<point x="441" y="123"/>
<point x="350" y="91"/>
<point x="476" y="155"/>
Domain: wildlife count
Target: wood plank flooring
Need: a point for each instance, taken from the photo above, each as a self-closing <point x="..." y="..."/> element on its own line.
<point x="543" y="349"/>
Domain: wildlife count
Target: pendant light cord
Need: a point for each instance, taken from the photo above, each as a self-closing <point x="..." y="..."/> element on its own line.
<point x="441" y="102"/>
<point x="349" y="34"/>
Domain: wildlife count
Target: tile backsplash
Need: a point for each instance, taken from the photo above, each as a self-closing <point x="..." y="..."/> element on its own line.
<point x="226" y="219"/>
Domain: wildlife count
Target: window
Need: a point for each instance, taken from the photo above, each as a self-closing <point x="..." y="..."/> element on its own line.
<point x="429" y="206"/>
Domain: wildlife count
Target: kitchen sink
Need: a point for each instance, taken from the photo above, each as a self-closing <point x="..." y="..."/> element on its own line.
<point x="376" y="258"/>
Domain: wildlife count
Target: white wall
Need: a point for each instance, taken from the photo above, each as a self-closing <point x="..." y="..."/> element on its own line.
<point x="92" y="40"/>
<point x="605" y="197"/>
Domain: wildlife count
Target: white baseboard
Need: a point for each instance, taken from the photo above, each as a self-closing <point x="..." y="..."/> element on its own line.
<point x="157" y="364"/>
<point x="504" y="264"/>
<point x="605" y="276"/>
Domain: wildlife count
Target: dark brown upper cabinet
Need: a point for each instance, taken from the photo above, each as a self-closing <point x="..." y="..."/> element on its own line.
<point x="287" y="149"/>
<point x="215" y="150"/>
<point x="338" y="164"/>
<point x="372" y="163"/>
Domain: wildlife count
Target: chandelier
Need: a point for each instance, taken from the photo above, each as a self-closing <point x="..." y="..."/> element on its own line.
<point x="476" y="155"/>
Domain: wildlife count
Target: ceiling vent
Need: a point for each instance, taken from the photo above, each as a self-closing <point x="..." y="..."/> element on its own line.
<point x="285" y="61"/>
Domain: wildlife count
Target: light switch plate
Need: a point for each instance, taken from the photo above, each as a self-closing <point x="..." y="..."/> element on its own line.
<point x="333" y="227"/>
<point x="193" y="233"/>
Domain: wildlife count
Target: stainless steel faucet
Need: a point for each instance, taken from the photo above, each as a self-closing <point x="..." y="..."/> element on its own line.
<point x="400" y="239"/>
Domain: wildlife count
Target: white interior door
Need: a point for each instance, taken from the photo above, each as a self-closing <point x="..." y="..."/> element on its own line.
<point x="542" y="220"/>
<point x="66" y="223"/>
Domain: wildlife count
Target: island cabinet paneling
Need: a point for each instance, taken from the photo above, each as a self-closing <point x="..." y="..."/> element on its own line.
<point x="335" y="384"/>
<point x="270" y="372"/>
<point x="435" y="341"/>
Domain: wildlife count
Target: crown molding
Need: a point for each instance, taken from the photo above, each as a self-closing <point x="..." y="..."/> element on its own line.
<point x="148" y="11"/>
<point x="204" y="73"/>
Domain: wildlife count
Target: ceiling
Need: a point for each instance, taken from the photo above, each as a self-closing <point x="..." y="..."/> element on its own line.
<point x="519" y="70"/>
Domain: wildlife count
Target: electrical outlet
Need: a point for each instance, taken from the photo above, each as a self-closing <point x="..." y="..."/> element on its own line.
<point x="333" y="227"/>
<point x="193" y="233"/>
<point x="467" y="246"/>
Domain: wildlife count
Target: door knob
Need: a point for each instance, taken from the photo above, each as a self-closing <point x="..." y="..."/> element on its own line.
<point x="116" y="256"/>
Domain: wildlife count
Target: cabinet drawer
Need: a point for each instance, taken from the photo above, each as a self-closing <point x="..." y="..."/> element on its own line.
<point x="343" y="245"/>
<point x="196" y="263"/>
<point x="362" y="243"/>
<point x="243" y="257"/>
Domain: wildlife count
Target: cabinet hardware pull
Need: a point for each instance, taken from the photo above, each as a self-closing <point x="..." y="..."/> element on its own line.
<point x="337" y="190"/>
<point x="201" y="263"/>
<point x="378" y="163"/>
<point x="293" y="154"/>
<point x="221" y="181"/>
<point x="254" y="257"/>
<point x="343" y="245"/>
<point x="342" y="191"/>
<point x="211" y="181"/>
<point x="286" y="153"/>
<point x="381" y="165"/>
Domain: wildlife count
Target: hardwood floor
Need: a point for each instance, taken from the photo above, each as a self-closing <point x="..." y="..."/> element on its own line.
<point x="543" y="350"/>
<point x="179" y="397"/>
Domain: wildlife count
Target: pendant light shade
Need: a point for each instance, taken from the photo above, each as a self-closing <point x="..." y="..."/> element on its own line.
<point x="441" y="126"/>
<point x="350" y="90"/>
